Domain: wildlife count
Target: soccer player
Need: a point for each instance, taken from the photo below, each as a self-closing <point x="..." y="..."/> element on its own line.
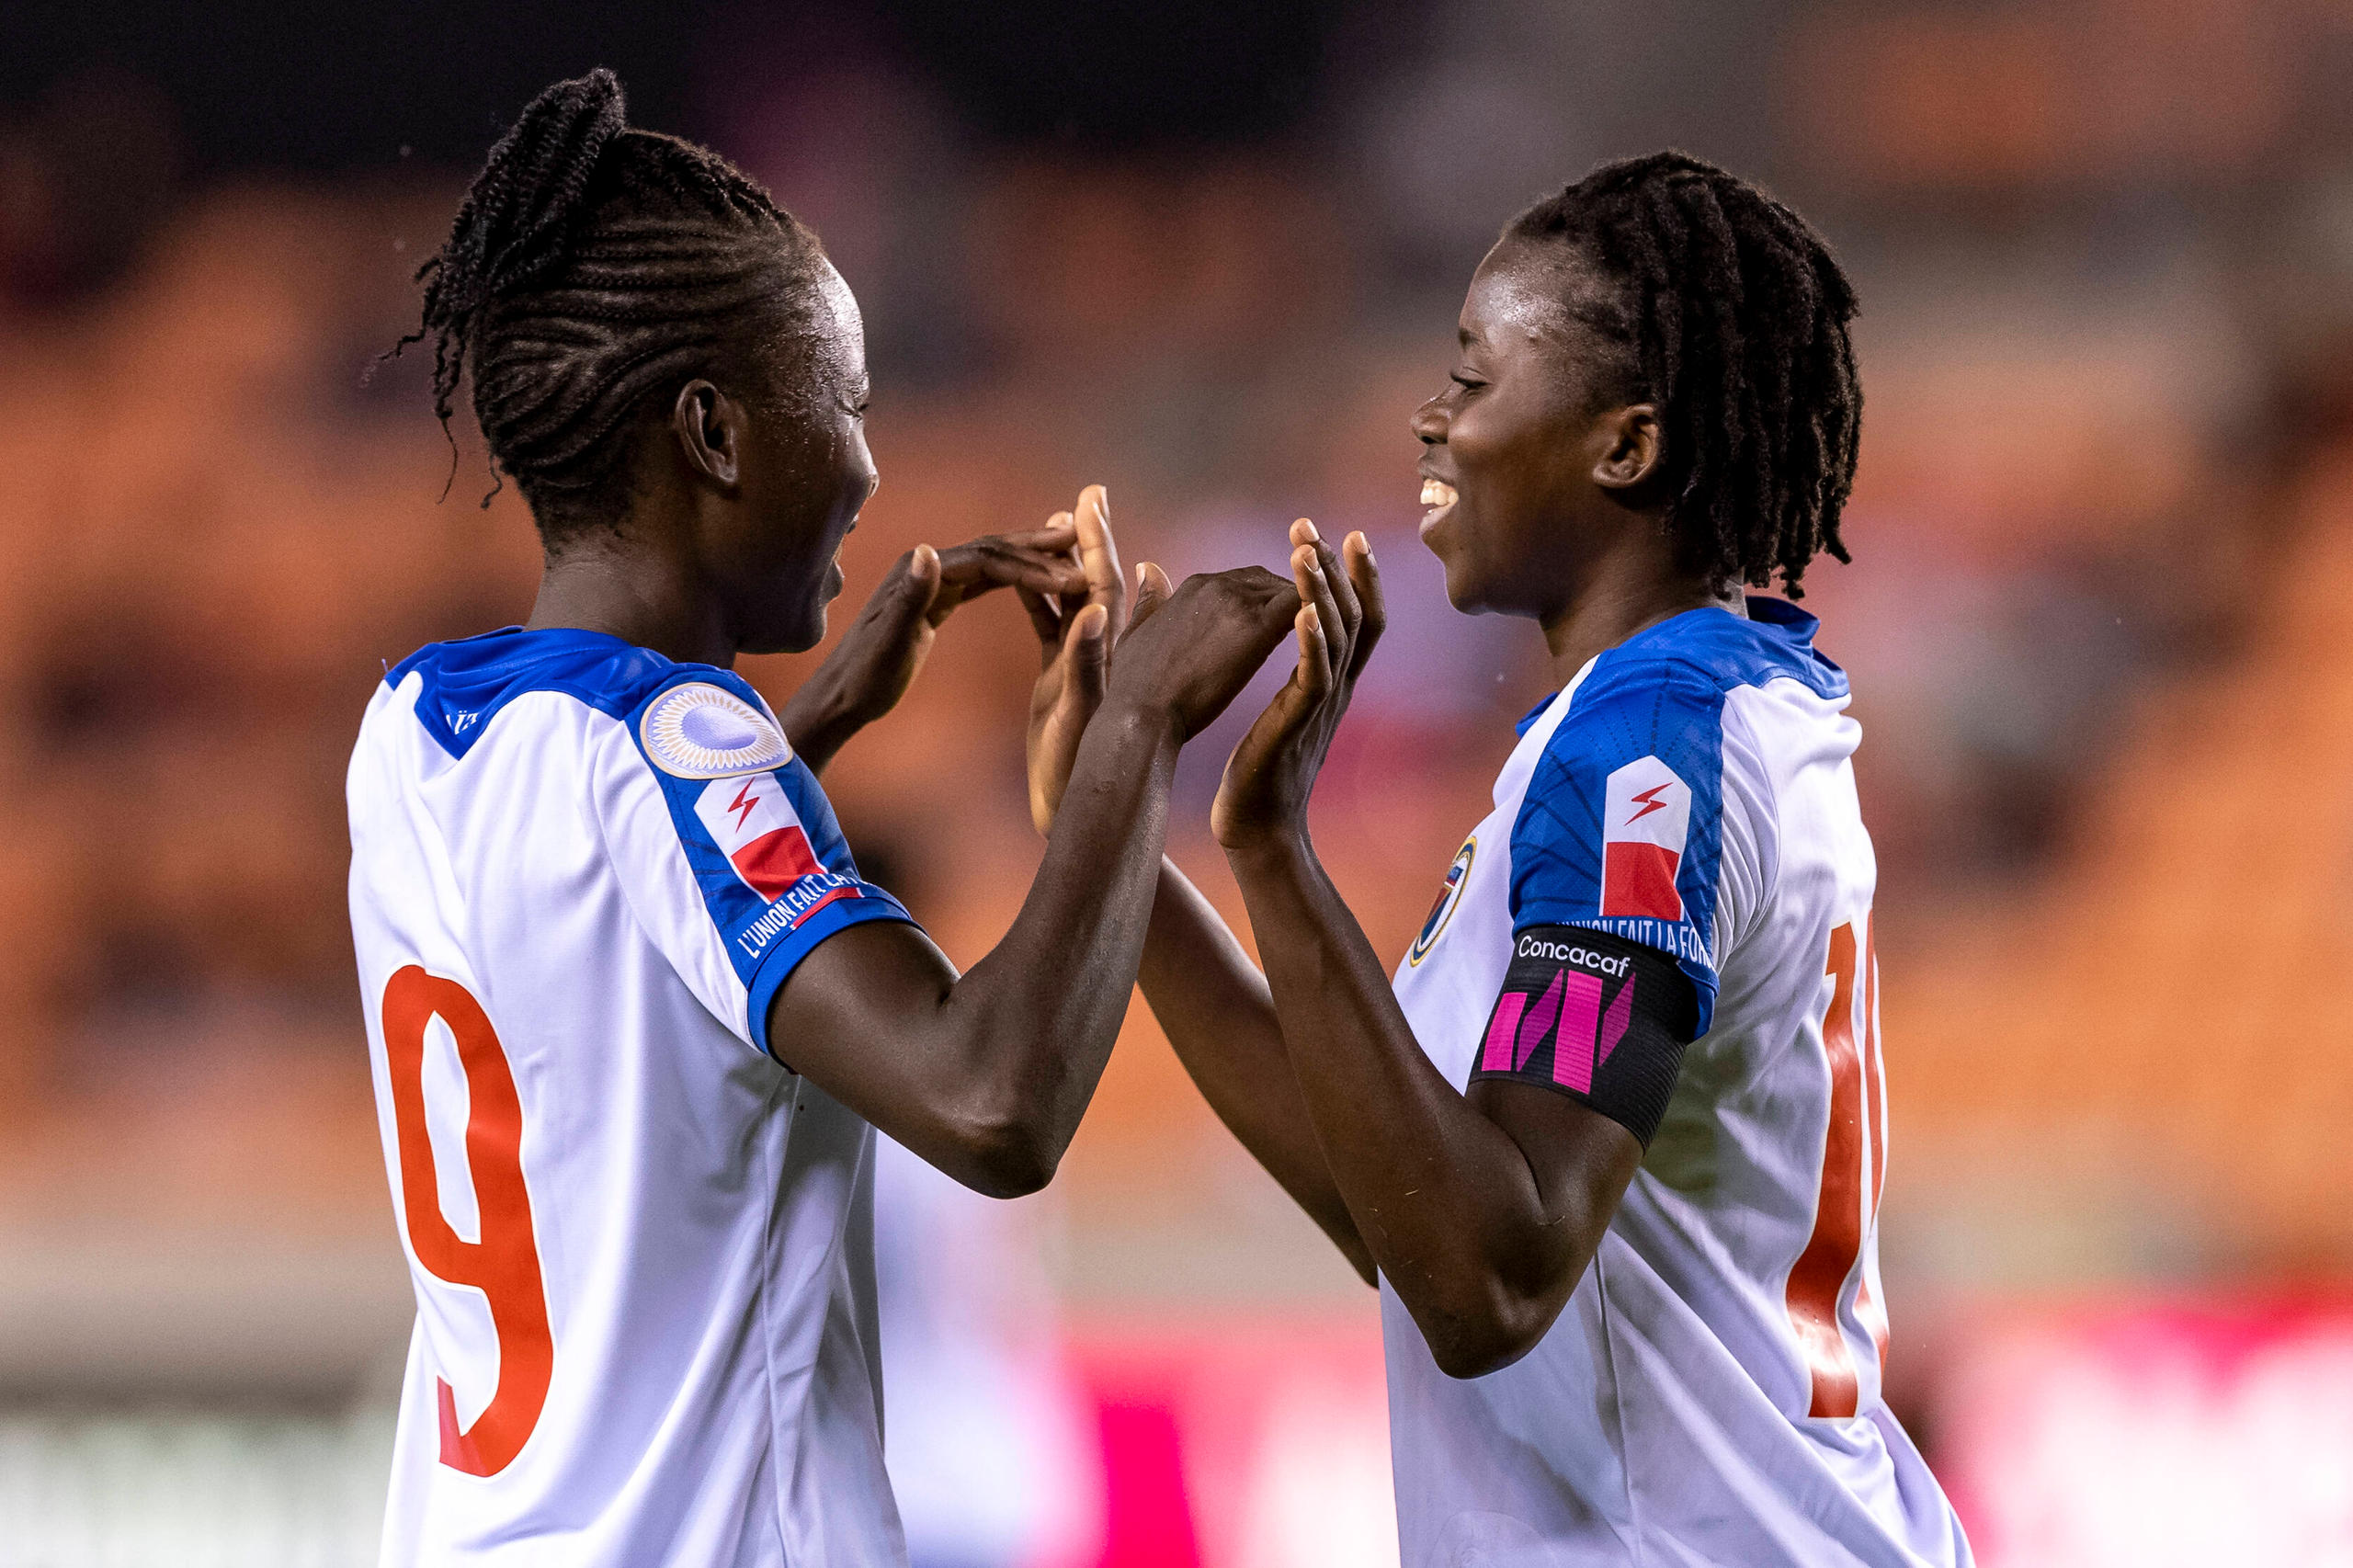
<point x="1611" y="1143"/>
<point x="632" y="1015"/>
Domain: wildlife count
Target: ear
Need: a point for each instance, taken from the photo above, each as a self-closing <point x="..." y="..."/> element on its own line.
<point x="710" y="428"/>
<point x="1632" y="446"/>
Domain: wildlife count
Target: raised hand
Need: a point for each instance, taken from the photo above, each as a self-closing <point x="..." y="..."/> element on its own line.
<point x="1074" y="637"/>
<point x="878" y="657"/>
<point x="1341" y="615"/>
<point x="1187" y="654"/>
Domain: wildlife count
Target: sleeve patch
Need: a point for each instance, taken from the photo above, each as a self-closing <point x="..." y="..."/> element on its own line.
<point x="775" y="874"/>
<point x="1594" y="1016"/>
<point x="756" y="827"/>
<point x="699" y="730"/>
<point x="1645" y="822"/>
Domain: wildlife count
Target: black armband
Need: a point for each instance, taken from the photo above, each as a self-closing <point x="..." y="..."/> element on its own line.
<point x="1594" y="1017"/>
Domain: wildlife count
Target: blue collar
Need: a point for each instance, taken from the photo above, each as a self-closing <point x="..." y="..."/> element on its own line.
<point x="1775" y="618"/>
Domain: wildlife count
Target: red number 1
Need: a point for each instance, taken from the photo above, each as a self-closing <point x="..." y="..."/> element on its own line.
<point x="505" y="1265"/>
<point x="1853" y="1165"/>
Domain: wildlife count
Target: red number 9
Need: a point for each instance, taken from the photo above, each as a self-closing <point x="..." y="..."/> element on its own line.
<point x="505" y="1265"/>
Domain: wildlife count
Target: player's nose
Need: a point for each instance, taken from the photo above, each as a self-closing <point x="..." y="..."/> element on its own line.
<point x="1428" y="423"/>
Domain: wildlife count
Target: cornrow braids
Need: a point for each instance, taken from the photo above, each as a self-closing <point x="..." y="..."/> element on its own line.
<point x="591" y="266"/>
<point x="1732" y="315"/>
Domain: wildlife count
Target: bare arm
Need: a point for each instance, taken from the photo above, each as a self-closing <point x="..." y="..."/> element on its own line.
<point x="1214" y="1006"/>
<point x="987" y="1075"/>
<point x="1210" y="999"/>
<point x="1482" y="1211"/>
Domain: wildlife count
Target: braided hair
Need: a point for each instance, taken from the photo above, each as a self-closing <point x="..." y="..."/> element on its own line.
<point x="591" y="267"/>
<point x="1731" y="314"/>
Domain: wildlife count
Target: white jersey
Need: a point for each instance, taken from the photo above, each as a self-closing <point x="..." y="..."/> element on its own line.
<point x="642" y="1249"/>
<point x="1711" y="1394"/>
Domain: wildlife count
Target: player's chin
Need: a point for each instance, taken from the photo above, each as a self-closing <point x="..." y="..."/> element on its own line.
<point x="1466" y="589"/>
<point x="1462" y="589"/>
<point x="810" y="632"/>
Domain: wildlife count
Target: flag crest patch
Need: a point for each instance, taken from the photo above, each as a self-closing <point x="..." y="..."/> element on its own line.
<point x="1645" y="822"/>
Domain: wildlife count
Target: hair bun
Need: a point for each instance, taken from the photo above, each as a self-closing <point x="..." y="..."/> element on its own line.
<point x="524" y="202"/>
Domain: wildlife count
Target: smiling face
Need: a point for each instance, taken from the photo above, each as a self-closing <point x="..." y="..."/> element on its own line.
<point x="805" y="474"/>
<point x="1536" y="463"/>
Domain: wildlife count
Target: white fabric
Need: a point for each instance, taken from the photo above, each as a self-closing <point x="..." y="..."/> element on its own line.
<point x="702" y="1217"/>
<point x="1665" y="1419"/>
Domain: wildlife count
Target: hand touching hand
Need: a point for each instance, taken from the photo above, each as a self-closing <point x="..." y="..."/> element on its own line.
<point x="1073" y="643"/>
<point x="1187" y="655"/>
<point x="878" y="658"/>
<point x="1271" y="774"/>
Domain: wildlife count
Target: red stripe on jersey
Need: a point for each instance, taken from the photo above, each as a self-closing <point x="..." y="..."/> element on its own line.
<point x="774" y="861"/>
<point x="837" y="892"/>
<point x="1638" y="880"/>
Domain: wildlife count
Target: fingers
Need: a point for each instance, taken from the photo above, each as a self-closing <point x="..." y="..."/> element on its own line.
<point x="1090" y="636"/>
<point x="1363" y="576"/>
<point x="1057" y="537"/>
<point x="1344" y="593"/>
<point x="1314" y="675"/>
<point x="1293" y="704"/>
<point x="1045" y="619"/>
<point x="1152" y="590"/>
<point x="1317" y="591"/>
<point x="1099" y="553"/>
<point x="979" y="565"/>
<point x="913" y="586"/>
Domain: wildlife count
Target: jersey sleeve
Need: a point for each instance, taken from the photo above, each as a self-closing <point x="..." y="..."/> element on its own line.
<point x="736" y="875"/>
<point x="1622" y="829"/>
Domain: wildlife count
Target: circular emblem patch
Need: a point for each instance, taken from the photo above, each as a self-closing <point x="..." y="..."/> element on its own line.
<point x="700" y="731"/>
<point x="1448" y="897"/>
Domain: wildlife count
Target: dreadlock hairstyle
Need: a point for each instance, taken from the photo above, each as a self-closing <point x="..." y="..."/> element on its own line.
<point x="591" y="267"/>
<point x="1732" y="315"/>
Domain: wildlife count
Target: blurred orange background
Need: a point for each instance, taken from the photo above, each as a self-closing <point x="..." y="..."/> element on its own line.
<point x="2097" y="625"/>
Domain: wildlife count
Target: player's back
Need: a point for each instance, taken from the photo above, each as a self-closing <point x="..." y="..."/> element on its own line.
<point x="640" y="1248"/>
<point x="1711" y="1394"/>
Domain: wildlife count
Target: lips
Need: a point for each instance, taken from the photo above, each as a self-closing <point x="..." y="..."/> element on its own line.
<point x="1439" y="497"/>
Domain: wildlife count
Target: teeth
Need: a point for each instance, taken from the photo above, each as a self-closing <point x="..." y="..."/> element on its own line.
<point x="1434" y="493"/>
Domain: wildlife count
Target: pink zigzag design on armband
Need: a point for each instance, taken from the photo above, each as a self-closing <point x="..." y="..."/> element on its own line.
<point x="1573" y="1063"/>
<point x="1497" y="1056"/>
<point x="1540" y="1019"/>
<point x="1614" y="1023"/>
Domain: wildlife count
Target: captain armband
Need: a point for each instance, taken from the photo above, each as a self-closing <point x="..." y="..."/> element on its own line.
<point x="1594" y="1017"/>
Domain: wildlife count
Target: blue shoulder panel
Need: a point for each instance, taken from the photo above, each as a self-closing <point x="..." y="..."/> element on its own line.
<point x="790" y="882"/>
<point x="1565" y="865"/>
<point x="782" y="893"/>
<point x="1606" y="839"/>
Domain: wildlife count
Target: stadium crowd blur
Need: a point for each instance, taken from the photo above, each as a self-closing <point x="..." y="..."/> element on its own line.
<point x="2098" y="624"/>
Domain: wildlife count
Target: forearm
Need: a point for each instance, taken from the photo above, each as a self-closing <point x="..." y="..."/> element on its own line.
<point x="1214" y="1006"/>
<point x="1039" y="1014"/>
<point x="1444" y="1198"/>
